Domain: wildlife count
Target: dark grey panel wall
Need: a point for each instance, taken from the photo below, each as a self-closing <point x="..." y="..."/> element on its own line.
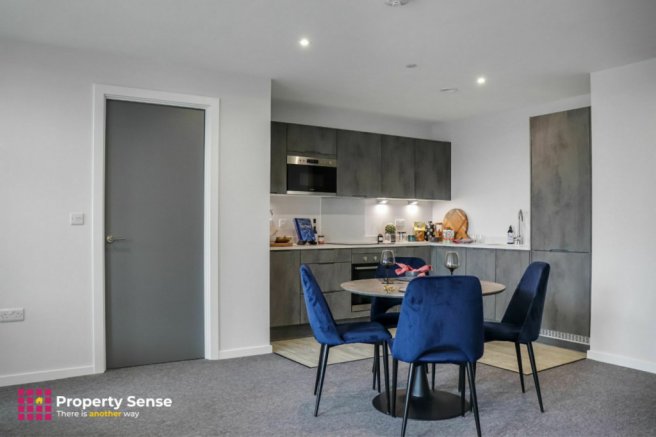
<point x="398" y="167"/>
<point x="432" y="170"/>
<point x="567" y="306"/>
<point x="482" y="264"/>
<point x="561" y="184"/>
<point x="285" y="288"/>
<point x="311" y="139"/>
<point x="439" y="255"/>
<point x="510" y="267"/>
<point x="358" y="164"/>
<point x="278" y="158"/>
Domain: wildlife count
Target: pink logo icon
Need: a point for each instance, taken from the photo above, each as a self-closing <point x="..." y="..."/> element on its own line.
<point x="36" y="403"/>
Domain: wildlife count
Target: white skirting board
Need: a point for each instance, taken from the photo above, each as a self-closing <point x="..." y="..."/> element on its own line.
<point x="47" y="375"/>
<point x="245" y="352"/>
<point x="645" y="366"/>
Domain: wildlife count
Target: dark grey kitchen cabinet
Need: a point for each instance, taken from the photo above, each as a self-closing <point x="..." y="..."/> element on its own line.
<point x="432" y="170"/>
<point x="340" y="306"/>
<point x="278" y="158"/>
<point x="331" y="276"/>
<point x="397" y="167"/>
<point x="482" y="264"/>
<point x="285" y="288"/>
<point x="414" y="252"/>
<point x="311" y="140"/>
<point x="358" y="164"/>
<point x="561" y="181"/>
<point x="510" y="267"/>
<point x="322" y="256"/>
<point x="439" y="255"/>
<point x="567" y="305"/>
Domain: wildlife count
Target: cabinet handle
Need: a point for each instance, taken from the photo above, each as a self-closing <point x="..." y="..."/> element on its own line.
<point x="367" y="268"/>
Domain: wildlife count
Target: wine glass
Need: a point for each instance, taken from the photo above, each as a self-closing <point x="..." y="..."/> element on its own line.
<point x="452" y="261"/>
<point x="387" y="259"/>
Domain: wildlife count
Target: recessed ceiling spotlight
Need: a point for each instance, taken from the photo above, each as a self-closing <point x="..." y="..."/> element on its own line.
<point x="382" y="201"/>
<point x="304" y="42"/>
<point x="481" y="80"/>
<point x="413" y="202"/>
<point x="411" y="66"/>
<point x="449" y="90"/>
<point x="396" y="2"/>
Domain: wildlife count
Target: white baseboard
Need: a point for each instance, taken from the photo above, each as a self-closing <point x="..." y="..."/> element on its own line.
<point x="645" y="366"/>
<point x="246" y="352"/>
<point x="48" y="375"/>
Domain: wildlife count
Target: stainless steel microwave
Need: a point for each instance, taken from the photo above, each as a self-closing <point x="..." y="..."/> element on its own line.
<point x="314" y="176"/>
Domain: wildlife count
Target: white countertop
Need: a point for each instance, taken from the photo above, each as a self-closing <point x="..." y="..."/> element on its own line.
<point x="496" y="246"/>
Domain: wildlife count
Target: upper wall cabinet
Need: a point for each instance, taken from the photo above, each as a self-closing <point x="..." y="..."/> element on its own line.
<point x="311" y="140"/>
<point x="398" y="167"/>
<point x="561" y="181"/>
<point x="432" y="170"/>
<point x="278" y="158"/>
<point x="358" y="164"/>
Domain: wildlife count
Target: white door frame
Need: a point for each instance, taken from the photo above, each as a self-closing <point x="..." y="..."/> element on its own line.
<point x="211" y="210"/>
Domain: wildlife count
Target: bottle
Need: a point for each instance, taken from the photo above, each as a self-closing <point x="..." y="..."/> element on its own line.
<point x="314" y="226"/>
<point x="380" y="238"/>
<point x="511" y="236"/>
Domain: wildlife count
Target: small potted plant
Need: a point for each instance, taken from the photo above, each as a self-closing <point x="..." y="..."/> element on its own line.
<point x="390" y="230"/>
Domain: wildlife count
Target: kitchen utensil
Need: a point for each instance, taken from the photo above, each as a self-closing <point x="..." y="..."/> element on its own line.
<point x="457" y="220"/>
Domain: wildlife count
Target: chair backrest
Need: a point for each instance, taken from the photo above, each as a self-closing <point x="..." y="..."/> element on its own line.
<point x="415" y="263"/>
<point x="440" y="313"/>
<point x="527" y="304"/>
<point x="321" y="319"/>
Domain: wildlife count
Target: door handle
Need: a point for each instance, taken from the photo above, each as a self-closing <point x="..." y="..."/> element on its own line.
<point x="111" y="239"/>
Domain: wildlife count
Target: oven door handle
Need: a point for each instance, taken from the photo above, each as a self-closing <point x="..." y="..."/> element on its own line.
<point x="366" y="268"/>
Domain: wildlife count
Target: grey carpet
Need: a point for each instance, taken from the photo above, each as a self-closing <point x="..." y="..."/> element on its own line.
<point x="272" y="396"/>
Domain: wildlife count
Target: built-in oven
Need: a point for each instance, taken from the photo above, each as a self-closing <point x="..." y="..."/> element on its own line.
<point x="307" y="175"/>
<point x="364" y="266"/>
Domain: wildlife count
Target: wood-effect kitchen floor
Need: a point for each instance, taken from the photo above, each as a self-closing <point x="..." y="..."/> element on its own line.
<point x="498" y="354"/>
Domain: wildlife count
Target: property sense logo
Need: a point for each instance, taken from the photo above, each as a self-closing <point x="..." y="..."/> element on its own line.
<point x="36" y="403"/>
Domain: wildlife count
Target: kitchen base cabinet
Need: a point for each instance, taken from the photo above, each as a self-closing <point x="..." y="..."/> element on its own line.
<point x="414" y="252"/>
<point x="322" y="256"/>
<point x="331" y="276"/>
<point x="285" y="288"/>
<point x="481" y="263"/>
<point x="567" y="305"/>
<point x="510" y="267"/>
<point x="439" y="255"/>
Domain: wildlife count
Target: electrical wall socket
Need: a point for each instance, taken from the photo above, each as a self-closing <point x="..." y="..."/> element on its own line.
<point x="282" y="222"/>
<point x="12" y="315"/>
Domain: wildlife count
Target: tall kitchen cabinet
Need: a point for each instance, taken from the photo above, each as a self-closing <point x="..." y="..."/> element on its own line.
<point x="561" y="215"/>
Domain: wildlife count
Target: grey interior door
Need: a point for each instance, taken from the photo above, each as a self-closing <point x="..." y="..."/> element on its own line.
<point x="154" y="200"/>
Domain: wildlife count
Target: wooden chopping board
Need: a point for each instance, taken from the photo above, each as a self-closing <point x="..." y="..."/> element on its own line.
<point x="457" y="220"/>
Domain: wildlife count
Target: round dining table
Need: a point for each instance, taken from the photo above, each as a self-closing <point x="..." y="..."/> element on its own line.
<point x="425" y="404"/>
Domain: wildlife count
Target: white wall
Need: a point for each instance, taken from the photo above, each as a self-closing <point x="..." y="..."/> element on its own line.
<point x="314" y="115"/>
<point x="45" y="173"/>
<point x="623" y="180"/>
<point x="490" y="167"/>
<point x="342" y="219"/>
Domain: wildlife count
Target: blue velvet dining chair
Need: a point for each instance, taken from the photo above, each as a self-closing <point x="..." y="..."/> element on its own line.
<point x="380" y="306"/>
<point x="441" y="322"/>
<point x="522" y="320"/>
<point x="330" y="334"/>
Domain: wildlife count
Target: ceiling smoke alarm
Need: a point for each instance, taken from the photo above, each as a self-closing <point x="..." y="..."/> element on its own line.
<point x="396" y="2"/>
<point x="449" y="90"/>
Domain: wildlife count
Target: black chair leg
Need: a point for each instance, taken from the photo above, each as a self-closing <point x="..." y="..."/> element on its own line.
<point x="386" y="367"/>
<point x="322" y="363"/>
<point x="472" y="388"/>
<point x="411" y="383"/>
<point x="316" y="383"/>
<point x="531" y="356"/>
<point x="471" y="400"/>
<point x="395" y="372"/>
<point x="376" y="366"/>
<point x="519" y="364"/>
<point x="433" y="379"/>
<point x="461" y="388"/>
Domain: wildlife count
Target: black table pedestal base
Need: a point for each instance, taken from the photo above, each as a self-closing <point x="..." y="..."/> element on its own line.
<point x="437" y="405"/>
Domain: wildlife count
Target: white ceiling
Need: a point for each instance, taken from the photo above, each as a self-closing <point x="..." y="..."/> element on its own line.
<point x="530" y="51"/>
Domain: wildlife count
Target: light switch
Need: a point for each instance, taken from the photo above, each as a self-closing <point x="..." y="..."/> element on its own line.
<point x="77" y="218"/>
<point x="282" y="222"/>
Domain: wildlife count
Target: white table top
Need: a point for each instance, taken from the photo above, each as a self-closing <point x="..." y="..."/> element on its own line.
<point x="375" y="288"/>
